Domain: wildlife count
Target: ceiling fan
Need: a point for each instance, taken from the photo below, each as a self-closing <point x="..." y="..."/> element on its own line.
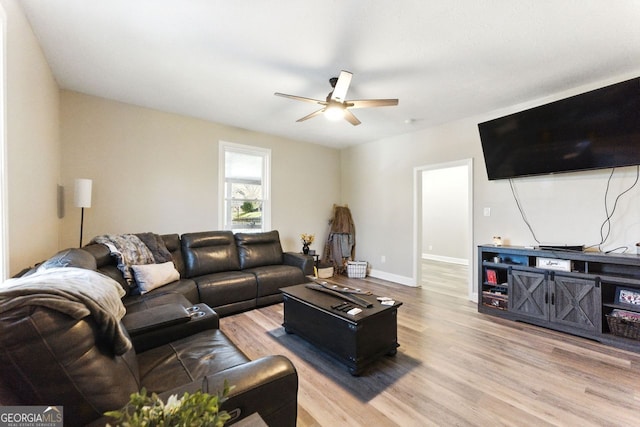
<point x="336" y="107"/>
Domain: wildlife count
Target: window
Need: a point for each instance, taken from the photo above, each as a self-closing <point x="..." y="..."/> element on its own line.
<point x="244" y="188"/>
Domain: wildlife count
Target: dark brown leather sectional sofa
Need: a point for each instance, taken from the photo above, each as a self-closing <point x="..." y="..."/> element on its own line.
<point x="50" y="358"/>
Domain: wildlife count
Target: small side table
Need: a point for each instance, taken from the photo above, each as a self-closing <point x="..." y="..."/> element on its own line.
<point x="316" y="258"/>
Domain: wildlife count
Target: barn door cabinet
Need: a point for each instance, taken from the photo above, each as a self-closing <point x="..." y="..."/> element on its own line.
<point x="571" y="292"/>
<point x="565" y="300"/>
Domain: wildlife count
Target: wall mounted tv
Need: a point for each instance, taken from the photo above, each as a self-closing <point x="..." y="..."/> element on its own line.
<point x="594" y="130"/>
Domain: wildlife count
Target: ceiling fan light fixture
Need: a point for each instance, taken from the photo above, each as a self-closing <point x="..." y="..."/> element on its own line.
<point x="334" y="112"/>
<point x="336" y="106"/>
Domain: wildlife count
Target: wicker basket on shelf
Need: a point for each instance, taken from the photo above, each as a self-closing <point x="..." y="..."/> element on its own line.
<point x="622" y="327"/>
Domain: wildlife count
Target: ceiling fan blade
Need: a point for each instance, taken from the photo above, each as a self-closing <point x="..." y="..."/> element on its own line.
<point x="342" y="86"/>
<point x="301" y="98"/>
<point x="367" y="103"/>
<point x="312" y="115"/>
<point x="348" y="116"/>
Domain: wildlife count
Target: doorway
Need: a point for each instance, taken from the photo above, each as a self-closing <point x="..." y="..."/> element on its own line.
<point x="444" y="220"/>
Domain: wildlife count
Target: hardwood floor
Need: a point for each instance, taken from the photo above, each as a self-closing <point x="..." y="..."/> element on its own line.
<point x="454" y="367"/>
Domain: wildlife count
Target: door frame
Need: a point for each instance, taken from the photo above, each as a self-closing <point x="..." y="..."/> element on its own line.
<point x="417" y="217"/>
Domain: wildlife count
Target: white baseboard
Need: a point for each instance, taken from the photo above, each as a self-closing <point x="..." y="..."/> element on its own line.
<point x="403" y="280"/>
<point x="448" y="259"/>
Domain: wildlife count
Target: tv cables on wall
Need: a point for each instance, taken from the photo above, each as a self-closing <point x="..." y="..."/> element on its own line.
<point x="607" y="222"/>
<point x="524" y="216"/>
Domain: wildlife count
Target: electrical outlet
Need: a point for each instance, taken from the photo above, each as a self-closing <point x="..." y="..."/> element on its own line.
<point x="487" y="211"/>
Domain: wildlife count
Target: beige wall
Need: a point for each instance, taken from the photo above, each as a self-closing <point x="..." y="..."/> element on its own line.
<point x="378" y="185"/>
<point x="563" y="209"/>
<point x="33" y="147"/>
<point x="155" y="171"/>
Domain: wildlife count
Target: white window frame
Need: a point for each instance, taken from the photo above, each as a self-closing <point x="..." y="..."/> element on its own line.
<point x="265" y="153"/>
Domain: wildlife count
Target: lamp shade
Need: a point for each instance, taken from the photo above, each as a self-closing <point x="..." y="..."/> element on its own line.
<point x="82" y="193"/>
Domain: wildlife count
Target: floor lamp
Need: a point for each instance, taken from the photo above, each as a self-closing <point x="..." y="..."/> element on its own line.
<point x="82" y="199"/>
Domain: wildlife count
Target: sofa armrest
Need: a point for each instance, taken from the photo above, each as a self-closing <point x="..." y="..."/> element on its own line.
<point x="302" y="261"/>
<point x="153" y="318"/>
<point x="268" y="386"/>
<point x="200" y="317"/>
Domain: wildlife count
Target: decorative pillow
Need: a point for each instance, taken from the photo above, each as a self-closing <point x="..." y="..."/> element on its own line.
<point x="152" y="276"/>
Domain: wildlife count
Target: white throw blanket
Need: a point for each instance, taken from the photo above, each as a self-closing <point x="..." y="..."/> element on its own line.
<point x="77" y="292"/>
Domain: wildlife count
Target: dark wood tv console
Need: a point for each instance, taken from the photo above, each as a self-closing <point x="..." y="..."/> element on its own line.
<point x="567" y="291"/>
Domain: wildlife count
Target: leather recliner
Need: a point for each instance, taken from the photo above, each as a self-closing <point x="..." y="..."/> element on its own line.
<point x="49" y="358"/>
<point x="211" y="260"/>
<point x="261" y="255"/>
<point x="239" y="272"/>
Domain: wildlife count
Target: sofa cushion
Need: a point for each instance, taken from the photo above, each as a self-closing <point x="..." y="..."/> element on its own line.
<point x="101" y="253"/>
<point x="152" y="276"/>
<point x="173" y="245"/>
<point x="72" y="257"/>
<point x="258" y="249"/>
<point x="209" y="252"/>
<point x="136" y="303"/>
<point x="187" y="359"/>
<point x="107" y="264"/>
<point x="273" y="277"/>
<point x="220" y="289"/>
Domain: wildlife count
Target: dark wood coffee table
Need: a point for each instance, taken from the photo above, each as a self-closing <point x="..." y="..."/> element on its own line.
<point x="355" y="340"/>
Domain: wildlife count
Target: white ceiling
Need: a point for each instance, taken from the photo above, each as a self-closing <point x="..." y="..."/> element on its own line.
<point x="223" y="60"/>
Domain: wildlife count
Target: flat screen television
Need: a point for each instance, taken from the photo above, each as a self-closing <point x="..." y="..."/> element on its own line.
<point x="594" y="130"/>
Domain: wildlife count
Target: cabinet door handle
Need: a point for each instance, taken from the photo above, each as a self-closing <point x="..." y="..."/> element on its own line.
<point x="546" y="298"/>
<point x="553" y="298"/>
